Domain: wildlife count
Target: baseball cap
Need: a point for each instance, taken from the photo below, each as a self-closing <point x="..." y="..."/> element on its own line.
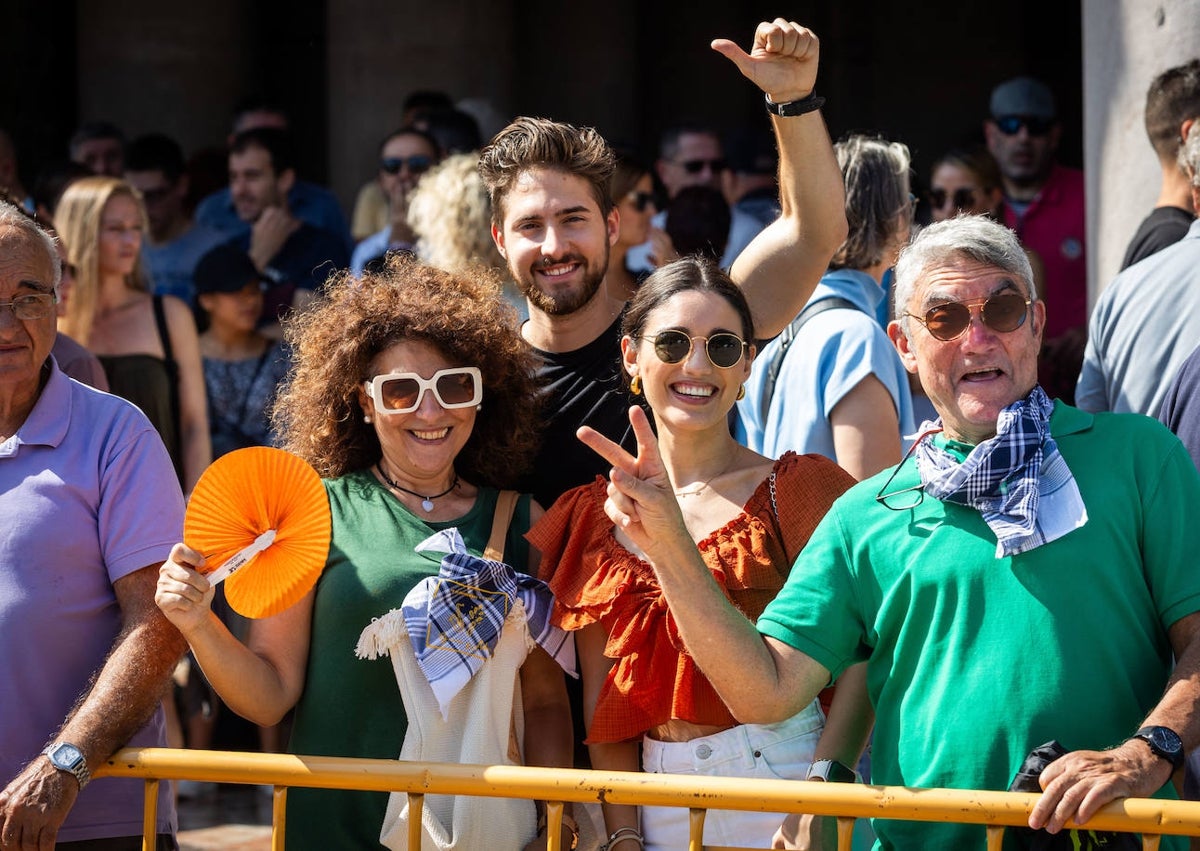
<point x="1023" y="96"/>
<point x="224" y="269"/>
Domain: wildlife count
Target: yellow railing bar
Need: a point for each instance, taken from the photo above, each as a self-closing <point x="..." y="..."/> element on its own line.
<point x="1138" y="815"/>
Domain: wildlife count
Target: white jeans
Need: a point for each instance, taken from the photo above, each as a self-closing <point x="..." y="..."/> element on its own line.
<point x="781" y="751"/>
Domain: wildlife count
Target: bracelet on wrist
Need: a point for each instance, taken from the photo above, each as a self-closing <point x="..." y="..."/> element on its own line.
<point x="791" y="108"/>
<point x="623" y="834"/>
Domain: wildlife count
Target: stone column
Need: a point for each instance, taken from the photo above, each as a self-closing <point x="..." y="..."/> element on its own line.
<point x="1126" y="43"/>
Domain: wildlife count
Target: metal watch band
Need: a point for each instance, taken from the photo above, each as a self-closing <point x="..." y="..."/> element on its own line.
<point x="78" y="766"/>
<point x="792" y="108"/>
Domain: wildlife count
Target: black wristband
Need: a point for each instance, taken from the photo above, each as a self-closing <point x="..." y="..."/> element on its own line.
<point x="792" y="108"/>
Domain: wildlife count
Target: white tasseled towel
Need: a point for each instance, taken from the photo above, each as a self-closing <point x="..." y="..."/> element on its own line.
<point x="484" y="726"/>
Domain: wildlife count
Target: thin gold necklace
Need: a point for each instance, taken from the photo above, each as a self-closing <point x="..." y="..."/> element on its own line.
<point x="697" y="489"/>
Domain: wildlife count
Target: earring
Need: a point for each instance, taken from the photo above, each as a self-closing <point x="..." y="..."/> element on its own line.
<point x="479" y="407"/>
<point x="635" y="385"/>
<point x="366" y="418"/>
<point x="741" y="393"/>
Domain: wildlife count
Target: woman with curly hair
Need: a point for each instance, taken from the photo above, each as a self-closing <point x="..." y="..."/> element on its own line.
<point x="391" y="371"/>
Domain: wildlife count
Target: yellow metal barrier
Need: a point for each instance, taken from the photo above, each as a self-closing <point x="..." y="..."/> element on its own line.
<point x="1150" y="817"/>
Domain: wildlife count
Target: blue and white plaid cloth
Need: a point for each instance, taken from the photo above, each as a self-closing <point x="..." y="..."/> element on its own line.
<point x="1017" y="480"/>
<point x="454" y="619"/>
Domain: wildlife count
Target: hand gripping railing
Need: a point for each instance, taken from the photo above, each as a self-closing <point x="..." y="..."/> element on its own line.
<point x="1150" y="817"/>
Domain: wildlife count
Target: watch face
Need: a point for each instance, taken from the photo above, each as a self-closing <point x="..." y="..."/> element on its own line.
<point x="66" y="756"/>
<point x="1166" y="739"/>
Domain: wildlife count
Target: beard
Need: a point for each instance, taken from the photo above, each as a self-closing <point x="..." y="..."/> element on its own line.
<point x="565" y="302"/>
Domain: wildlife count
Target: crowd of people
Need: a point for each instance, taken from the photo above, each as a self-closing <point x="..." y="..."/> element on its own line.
<point x="800" y="484"/>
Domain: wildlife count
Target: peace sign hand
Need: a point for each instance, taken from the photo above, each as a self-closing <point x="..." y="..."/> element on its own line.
<point x="641" y="501"/>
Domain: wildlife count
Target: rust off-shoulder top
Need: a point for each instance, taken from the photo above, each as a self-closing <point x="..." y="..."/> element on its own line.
<point x="596" y="580"/>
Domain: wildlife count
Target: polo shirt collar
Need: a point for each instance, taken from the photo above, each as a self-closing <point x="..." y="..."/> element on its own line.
<point x="47" y="423"/>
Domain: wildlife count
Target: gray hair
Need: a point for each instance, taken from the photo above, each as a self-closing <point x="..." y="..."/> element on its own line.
<point x="875" y="172"/>
<point x="1189" y="153"/>
<point x="977" y="238"/>
<point x="12" y="216"/>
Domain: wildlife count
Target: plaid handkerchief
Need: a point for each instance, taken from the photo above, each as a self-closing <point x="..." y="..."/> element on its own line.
<point x="1017" y="480"/>
<point x="454" y="619"/>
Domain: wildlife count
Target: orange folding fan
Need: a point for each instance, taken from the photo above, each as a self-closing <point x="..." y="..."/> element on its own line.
<point x="261" y="518"/>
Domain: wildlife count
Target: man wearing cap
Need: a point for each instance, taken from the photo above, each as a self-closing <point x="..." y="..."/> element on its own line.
<point x="91" y="506"/>
<point x="1044" y="204"/>
<point x="1025" y="575"/>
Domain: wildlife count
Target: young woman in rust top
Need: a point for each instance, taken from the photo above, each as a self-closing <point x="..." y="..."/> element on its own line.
<point x="687" y="348"/>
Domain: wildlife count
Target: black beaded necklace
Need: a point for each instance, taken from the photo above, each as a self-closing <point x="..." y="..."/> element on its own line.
<point x="426" y="501"/>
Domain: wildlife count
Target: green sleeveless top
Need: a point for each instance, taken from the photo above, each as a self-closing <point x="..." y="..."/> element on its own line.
<point x="351" y="707"/>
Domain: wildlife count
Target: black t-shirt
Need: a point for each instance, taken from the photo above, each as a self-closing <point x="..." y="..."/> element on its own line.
<point x="1164" y="227"/>
<point x="583" y="387"/>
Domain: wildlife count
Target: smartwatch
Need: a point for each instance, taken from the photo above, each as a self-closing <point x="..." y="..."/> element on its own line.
<point x="66" y="757"/>
<point x="831" y="771"/>
<point x="1163" y="742"/>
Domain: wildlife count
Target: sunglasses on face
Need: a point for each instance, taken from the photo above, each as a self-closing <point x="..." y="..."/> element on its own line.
<point x="418" y="164"/>
<point x="402" y="392"/>
<point x="697" y="166"/>
<point x="724" y="350"/>
<point x="1010" y="125"/>
<point x="640" y="200"/>
<point x="1001" y="313"/>
<point x="962" y="199"/>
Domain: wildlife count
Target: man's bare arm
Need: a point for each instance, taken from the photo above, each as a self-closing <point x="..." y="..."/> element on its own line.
<point x="119" y="700"/>
<point x="782" y="266"/>
<point x="1077" y="785"/>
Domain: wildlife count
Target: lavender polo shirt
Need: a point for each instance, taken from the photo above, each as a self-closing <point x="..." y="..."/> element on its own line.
<point x="87" y="495"/>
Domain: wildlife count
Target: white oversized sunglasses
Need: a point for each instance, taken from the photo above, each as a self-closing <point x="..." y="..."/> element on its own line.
<point x="401" y="392"/>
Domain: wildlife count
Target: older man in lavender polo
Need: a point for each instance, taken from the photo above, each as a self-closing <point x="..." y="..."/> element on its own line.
<point x="91" y="507"/>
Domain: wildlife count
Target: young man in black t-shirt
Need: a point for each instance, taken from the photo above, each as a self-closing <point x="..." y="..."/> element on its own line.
<point x="554" y="222"/>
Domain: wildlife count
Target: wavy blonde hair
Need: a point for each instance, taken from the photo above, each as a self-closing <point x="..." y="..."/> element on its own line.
<point x="78" y="218"/>
<point x="451" y="215"/>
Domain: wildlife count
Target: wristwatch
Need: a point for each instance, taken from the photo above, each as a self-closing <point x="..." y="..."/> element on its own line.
<point x="66" y="757"/>
<point x="1163" y="742"/>
<point x="831" y="771"/>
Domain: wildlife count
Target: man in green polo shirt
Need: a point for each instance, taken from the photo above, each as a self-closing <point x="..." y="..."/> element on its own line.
<point x="1025" y="575"/>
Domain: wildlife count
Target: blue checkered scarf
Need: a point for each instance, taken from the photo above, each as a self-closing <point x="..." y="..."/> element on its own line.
<point x="454" y="619"/>
<point x="1007" y="478"/>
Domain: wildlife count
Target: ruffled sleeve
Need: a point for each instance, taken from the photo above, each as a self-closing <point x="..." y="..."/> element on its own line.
<point x="572" y="536"/>
<point x="596" y="580"/>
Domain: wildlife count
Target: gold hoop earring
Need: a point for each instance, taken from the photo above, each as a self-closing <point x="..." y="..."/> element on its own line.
<point x="635" y="385"/>
<point x="741" y="393"/>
